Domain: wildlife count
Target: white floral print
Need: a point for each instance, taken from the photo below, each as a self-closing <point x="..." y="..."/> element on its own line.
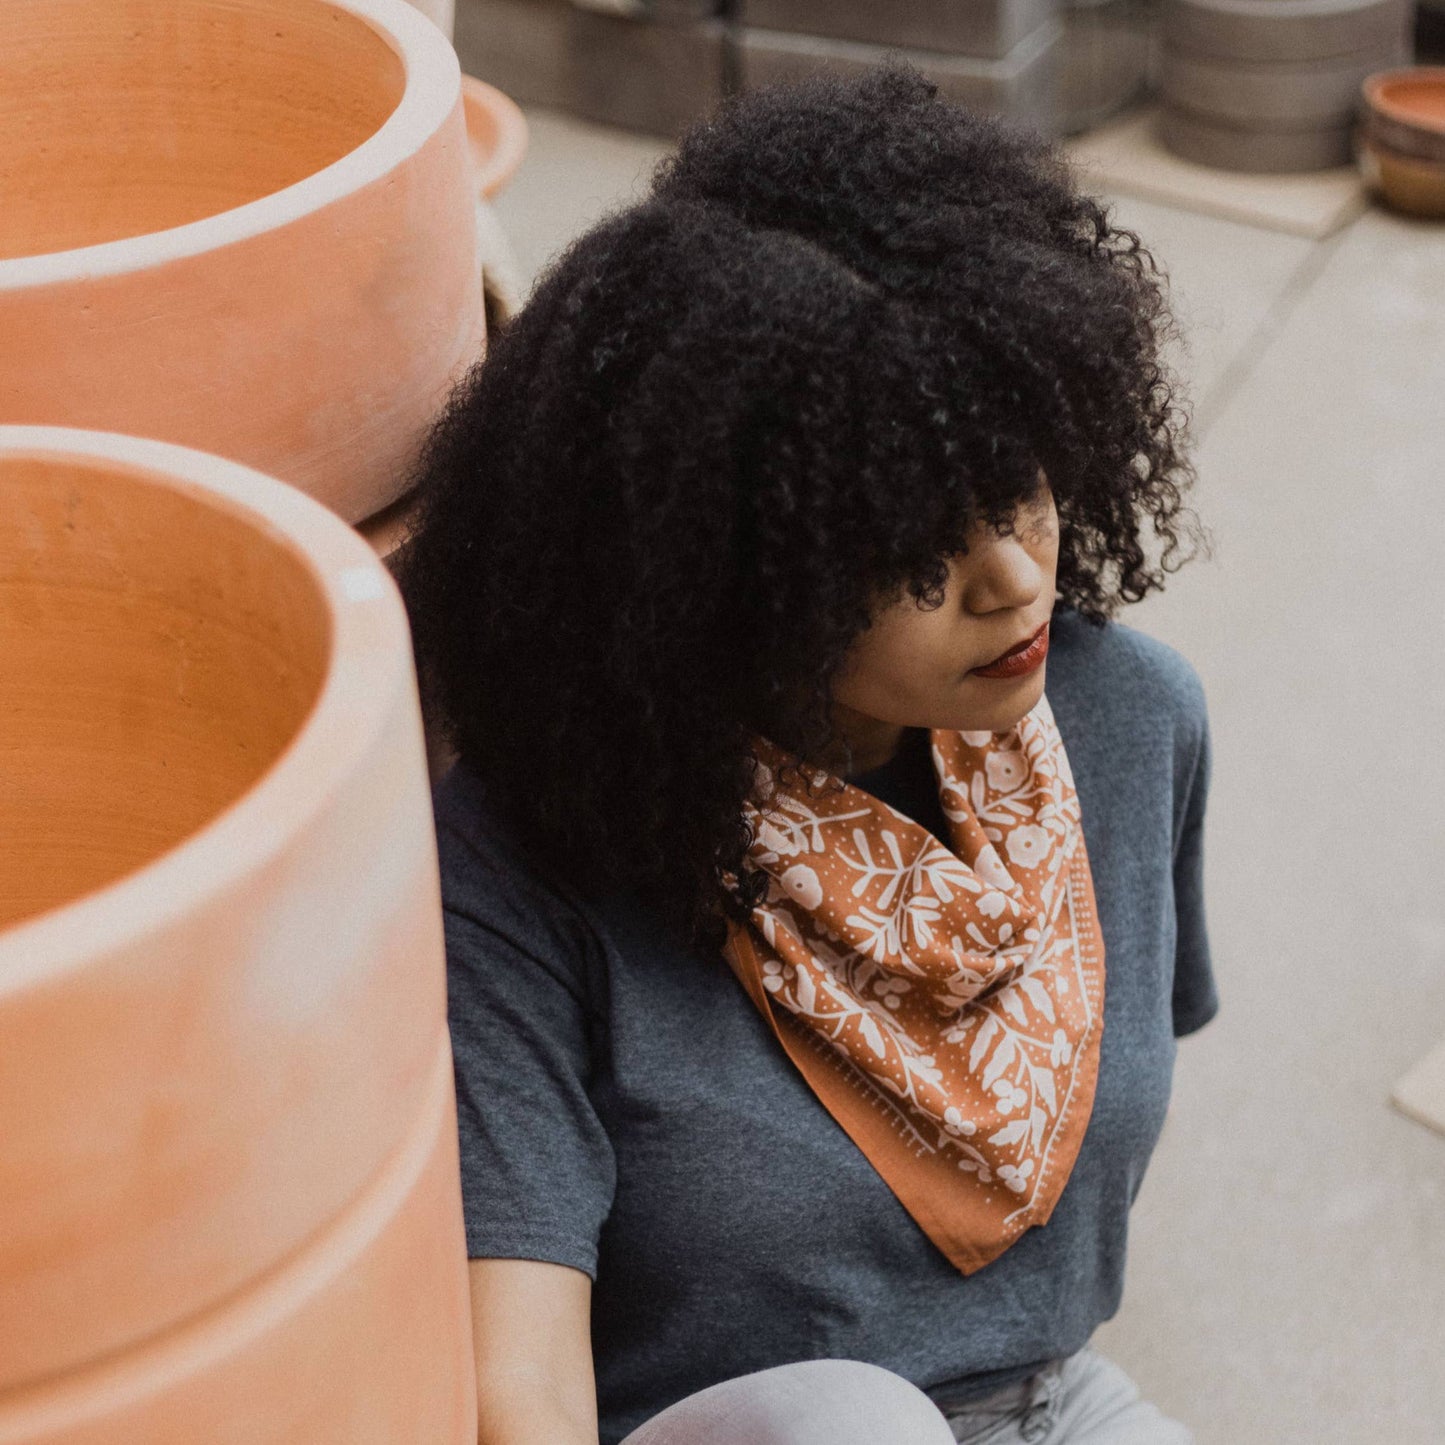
<point x="958" y="989"/>
<point x="802" y="884"/>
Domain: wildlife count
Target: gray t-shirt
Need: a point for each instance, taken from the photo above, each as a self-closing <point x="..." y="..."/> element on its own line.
<point x="624" y="1108"/>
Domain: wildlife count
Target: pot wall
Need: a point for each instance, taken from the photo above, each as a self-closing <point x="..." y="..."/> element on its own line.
<point x="441" y="13"/>
<point x="250" y="230"/>
<point x="160" y="656"/>
<point x="222" y="979"/>
<point x="362" y="1338"/>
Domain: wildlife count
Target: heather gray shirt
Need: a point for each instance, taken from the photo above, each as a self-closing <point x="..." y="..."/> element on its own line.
<point x="624" y="1108"/>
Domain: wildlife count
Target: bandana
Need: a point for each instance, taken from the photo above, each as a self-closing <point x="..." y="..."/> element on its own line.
<point x="943" y="999"/>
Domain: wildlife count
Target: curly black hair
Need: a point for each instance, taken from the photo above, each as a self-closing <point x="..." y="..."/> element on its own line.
<point x="848" y="322"/>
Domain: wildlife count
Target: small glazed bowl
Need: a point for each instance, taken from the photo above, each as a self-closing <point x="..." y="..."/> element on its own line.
<point x="1404" y="111"/>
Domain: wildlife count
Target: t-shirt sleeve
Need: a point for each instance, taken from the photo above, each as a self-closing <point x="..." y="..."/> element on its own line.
<point x="538" y="1172"/>
<point x="1196" y="1000"/>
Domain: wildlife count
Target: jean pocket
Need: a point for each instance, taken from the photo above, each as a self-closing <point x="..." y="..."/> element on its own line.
<point x="990" y="1422"/>
<point x="1022" y="1413"/>
<point x="985" y="1428"/>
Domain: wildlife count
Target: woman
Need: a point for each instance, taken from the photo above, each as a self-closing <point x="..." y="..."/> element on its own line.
<point x="793" y="1102"/>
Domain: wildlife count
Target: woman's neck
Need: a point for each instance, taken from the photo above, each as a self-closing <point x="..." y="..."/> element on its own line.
<point x="862" y="743"/>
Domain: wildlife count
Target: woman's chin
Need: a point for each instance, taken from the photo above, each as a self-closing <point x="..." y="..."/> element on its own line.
<point x="997" y="704"/>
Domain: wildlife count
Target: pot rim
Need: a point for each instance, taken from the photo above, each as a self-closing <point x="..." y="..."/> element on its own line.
<point x="431" y="91"/>
<point x="368" y="664"/>
<point x="1375" y="86"/>
<point x="511" y="132"/>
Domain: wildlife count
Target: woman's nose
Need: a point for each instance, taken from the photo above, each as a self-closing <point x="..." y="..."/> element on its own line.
<point x="1002" y="573"/>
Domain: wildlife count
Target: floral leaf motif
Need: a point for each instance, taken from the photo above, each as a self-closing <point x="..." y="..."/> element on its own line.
<point x="1010" y="1133"/>
<point x="1044" y="1082"/>
<point x="869" y="1030"/>
<point x="922" y="913"/>
<point x="1003" y="1056"/>
<point x="1012" y="1005"/>
<point x="881" y="932"/>
<point x="807" y="995"/>
<point x="885" y="899"/>
<point x="946" y="872"/>
<point x="860" y="842"/>
<point x="1038" y="996"/>
<point x="1036" y="1123"/>
<point x="980" y="1044"/>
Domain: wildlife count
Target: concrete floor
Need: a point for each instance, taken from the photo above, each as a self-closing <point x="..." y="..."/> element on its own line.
<point x="1286" y="1277"/>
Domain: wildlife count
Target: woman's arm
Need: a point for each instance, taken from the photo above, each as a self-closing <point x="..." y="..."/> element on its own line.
<point x="531" y="1329"/>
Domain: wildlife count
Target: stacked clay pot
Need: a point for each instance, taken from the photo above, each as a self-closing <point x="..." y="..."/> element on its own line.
<point x="1105" y="66"/>
<point x="496" y="132"/>
<point x="229" y="1193"/>
<point x="247" y="226"/>
<point x="1272" y="85"/>
<point x="1007" y="57"/>
<point x="441" y="13"/>
<point x="1402" y="140"/>
<point x="497" y="139"/>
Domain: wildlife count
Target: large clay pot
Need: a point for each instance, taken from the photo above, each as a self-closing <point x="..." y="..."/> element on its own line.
<point x="497" y="137"/>
<point x="441" y="13"/>
<point x="229" y="1190"/>
<point x="243" y="225"/>
<point x="496" y="132"/>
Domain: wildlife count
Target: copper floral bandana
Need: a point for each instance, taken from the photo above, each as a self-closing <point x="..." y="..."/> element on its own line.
<point x="944" y="1003"/>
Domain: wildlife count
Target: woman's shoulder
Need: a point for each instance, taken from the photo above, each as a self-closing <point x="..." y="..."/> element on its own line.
<point x="471" y="836"/>
<point x="1112" y="671"/>
<point x="489" y="879"/>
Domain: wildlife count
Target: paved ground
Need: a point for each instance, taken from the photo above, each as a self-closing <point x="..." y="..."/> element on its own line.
<point x="1286" y="1277"/>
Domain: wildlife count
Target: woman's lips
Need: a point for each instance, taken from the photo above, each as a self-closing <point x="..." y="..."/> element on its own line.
<point x="1021" y="659"/>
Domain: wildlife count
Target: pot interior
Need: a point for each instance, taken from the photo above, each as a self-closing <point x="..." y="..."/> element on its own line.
<point x="1419" y="100"/>
<point x="161" y="651"/>
<point x="122" y="117"/>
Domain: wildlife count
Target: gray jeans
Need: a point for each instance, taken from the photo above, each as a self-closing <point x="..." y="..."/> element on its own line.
<point x="1082" y="1400"/>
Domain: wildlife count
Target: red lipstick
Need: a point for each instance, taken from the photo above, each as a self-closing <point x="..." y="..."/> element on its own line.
<point x="1018" y="660"/>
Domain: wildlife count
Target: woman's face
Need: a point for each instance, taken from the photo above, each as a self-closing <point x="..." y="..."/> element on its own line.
<point x="915" y="667"/>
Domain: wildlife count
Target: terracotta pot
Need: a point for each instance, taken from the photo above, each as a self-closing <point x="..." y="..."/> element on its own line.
<point x="250" y="228"/>
<point x="441" y="13"/>
<point x="497" y="138"/>
<point x="229" y="1197"/>
<point x="385" y="535"/>
<point x="497" y="133"/>
<point x="1405" y="111"/>
<point x="385" y="532"/>
<point x="1409" y="184"/>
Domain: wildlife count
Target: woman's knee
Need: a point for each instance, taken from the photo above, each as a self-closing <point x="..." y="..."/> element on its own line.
<point x="810" y="1402"/>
